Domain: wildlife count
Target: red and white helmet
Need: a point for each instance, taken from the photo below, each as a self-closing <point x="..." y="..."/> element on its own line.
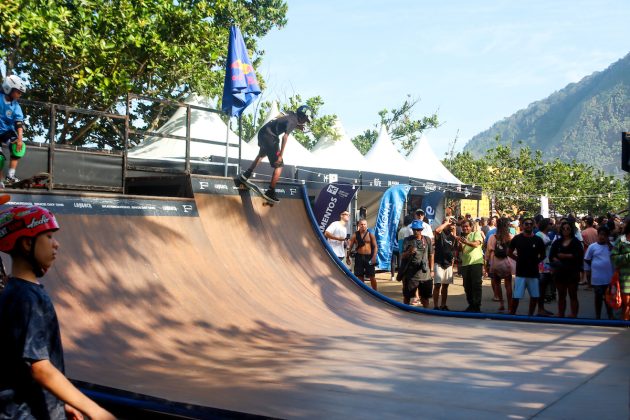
<point x="24" y="221"/>
<point x="13" y="82"/>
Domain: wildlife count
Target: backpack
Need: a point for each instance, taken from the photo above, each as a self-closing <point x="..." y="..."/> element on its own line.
<point x="613" y="292"/>
<point x="500" y="250"/>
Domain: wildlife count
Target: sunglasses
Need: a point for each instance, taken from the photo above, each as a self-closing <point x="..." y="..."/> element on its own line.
<point x="527" y="224"/>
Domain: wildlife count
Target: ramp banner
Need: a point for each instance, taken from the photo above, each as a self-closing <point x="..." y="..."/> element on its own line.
<point x="387" y="223"/>
<point x="430" y="203"/>
<point x="330" y="202"/>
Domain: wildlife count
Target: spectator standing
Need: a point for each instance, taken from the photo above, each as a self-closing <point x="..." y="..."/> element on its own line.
<point x="445" y="245"/>
<point x="501" y="267"/>
<point x="597" y="257"/>
<point x="566" y="258"/>
<point x="544" y="269"/>
<point x="12" y="124"/>
<point x="530" y="251"/>
<point x="472" y="265"/>
<point x="336" y="234"/>
<point x="418" y="277"/>
<point x="365" y="258"/>
<point x="589" y="237"/>
<point x="620" y="256"/>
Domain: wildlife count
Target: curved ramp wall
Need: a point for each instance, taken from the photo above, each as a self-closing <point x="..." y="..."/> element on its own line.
<point x="226" y="303"/>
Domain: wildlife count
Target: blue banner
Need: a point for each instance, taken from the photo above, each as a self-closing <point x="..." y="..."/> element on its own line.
<point x="241" y="86"/>
<point x="330" y="202"/>
<point x="430" y="203"/>
<point x="387" y="221"/>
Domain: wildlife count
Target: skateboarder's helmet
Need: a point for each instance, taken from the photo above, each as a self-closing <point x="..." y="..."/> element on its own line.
<point x="24" y="222"/>
<point x="305" y="112"/>
<point x="13" y="82"/>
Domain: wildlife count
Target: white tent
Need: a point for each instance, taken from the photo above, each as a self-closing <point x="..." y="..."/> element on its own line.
<point x="203" y="125"/>
<point x="294" y="153"/>
<point x="427" y="166"/>
<point x="383" y="157"/>
<point x="339" y="154"/>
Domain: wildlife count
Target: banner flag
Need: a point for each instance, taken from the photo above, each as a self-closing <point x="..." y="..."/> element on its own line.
<point x="544" y="205"/>
<point x="387" y="221"/>
<point x="241" y="86"/>
<point x="430" y="204"/>
<point x="330" y="202"/>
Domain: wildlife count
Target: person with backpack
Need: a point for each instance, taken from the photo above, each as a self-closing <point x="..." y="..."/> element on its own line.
<point x="418" y="265"/>
<point x="501" y="267"/>
<point x="365" y="254"/>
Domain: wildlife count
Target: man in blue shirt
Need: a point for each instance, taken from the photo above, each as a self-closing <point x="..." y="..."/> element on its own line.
<point x="11" y="124"/>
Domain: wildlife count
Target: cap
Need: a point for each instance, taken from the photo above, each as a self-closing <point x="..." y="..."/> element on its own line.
<point x="417" y="225"/>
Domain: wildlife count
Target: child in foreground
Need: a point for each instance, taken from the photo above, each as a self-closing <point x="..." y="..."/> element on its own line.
<point x="32" y="380"/>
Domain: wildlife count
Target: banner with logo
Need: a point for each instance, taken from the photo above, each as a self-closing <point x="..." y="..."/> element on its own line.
<point x="240" y="87"/>
<point x="430" y="204"/>
<point x="387" y="221"/>
<point x="330" y="202"/>
<point x="544" y="205"/>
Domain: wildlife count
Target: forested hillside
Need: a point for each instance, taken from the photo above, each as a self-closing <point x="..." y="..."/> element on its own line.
<point x="583" y="121"/>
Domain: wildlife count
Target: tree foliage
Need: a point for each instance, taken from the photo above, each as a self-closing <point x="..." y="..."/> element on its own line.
<point x="321" y="126"/>
<point x="403" y="129"/>
<point x="517" y="178"/>
<point x="89" y="54"/>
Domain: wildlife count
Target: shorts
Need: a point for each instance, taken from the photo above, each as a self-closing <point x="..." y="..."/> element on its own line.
<point x="363" y="266"/>
<point x="269" y="146"/>
<point x="529" y="283"/>
<point x="5" y="139"/>
<point x="443" y="275"/>
<point x="424" y="287"/>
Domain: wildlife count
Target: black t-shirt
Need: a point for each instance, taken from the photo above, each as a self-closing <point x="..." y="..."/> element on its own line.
<point x="530" y="251"/>
<point x="444" y="249"/>
<point x="284" y="124"/>
<point x="29" y="332"/>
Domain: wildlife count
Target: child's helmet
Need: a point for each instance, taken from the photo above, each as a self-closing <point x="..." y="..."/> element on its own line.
<point x="24" y="221"/>
<point x="13" y="82"/>
<point x="305" y="112"/>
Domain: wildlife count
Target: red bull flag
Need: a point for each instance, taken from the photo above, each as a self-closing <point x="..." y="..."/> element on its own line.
<point x="240" y="87"/>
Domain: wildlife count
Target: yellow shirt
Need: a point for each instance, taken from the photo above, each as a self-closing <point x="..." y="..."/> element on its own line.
<point x="472" y="255"/>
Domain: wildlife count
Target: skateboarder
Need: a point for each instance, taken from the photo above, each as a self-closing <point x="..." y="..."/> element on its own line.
<point x="11" y="124"/>
<point x="270" y="145"/>
<point x="32" y="383"/>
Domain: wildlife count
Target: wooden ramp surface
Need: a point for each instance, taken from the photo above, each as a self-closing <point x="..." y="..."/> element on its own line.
<point x="242" y="309"/>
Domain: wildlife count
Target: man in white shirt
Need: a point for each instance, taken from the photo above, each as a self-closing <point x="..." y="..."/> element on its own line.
<point x="427" y="231"/>
<point x="336" y="235"/>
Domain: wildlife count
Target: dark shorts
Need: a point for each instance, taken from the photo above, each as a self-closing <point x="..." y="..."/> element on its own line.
<point x="269" y="146"/>
<point x="424" y="287"/>
<point x="362" y="266"/>
<point x="5" y="139"/>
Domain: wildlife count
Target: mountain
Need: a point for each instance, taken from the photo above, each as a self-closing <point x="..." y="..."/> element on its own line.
<point x="583" y="121"/>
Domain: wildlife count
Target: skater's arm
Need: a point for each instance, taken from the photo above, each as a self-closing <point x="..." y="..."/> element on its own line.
<point x="49" y="377"/>
<point x="374" y="248"/>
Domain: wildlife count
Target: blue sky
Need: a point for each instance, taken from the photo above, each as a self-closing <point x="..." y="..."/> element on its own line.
<point x="473" y="63"/>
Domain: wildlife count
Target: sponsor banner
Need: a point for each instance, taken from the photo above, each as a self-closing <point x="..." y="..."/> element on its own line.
<point x="544" y="205"/>
<point x="387" y="221"/>
<point x="476" y="208"/>
<point x="330" y="202"/>
<point x="227" y="186"/>
<point x="106" y="206"/>
<point x="430" y="204"/>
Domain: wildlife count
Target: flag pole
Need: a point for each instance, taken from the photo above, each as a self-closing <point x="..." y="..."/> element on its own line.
<point x="227" y="146"/>
<point x="240" y="143"/>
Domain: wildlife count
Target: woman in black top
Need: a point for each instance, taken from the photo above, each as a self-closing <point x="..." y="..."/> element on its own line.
<point x="566" y="259"/>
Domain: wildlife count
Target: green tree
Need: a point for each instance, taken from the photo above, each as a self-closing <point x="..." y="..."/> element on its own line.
<point x="403" y="129"/>
<point x="517" y="178"/>
<point x="89" y="54"/>
<point x="321" y="126"/>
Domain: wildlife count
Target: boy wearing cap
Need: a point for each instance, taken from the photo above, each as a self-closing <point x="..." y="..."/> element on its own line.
<point x="32" y="382"/>
<point x="418" y="254"/>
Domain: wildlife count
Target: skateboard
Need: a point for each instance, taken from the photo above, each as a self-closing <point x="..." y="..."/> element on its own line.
<point x="253" y="187"/>
<point x="40" y="180"/>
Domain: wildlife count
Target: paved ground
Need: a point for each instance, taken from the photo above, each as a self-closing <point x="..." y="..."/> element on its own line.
<point x="457" y="299"/>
